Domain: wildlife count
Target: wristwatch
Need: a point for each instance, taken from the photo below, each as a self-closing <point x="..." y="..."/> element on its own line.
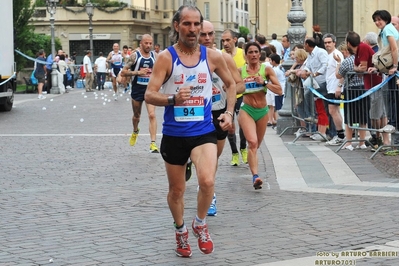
<point x="265" y="82"/>
<point x="171" y="99"/>
<point x="340" y="85"/>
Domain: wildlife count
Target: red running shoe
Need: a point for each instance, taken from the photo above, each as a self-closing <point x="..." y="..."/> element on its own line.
<point x="183" y="248"/>
<point x="257" y="183"/>
<point x="205" y="243"/>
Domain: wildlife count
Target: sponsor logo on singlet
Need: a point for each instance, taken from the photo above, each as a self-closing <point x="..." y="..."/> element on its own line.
<point x="178" y="79"/>
<point x="202" y="77"/>
<point x="191" y="78"/>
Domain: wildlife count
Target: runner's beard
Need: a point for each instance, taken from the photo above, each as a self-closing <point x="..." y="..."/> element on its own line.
<point x="190" y="44"/>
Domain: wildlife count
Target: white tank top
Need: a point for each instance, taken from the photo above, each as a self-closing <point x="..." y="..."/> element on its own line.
<point x="218" y="93"/>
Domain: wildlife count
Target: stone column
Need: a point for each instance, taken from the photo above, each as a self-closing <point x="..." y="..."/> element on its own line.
<point x="296" y="34"/>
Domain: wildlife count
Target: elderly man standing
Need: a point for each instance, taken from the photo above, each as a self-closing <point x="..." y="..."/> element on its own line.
<point x="371" y="39"/>
<point x="88" y="70"/>
<point x="316" y="66"/>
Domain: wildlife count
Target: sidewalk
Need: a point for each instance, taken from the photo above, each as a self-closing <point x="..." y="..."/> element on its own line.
<point x="313" y="166"/>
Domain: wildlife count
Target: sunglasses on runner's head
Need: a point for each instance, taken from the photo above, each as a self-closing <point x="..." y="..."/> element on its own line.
<point x="210" y="34"/>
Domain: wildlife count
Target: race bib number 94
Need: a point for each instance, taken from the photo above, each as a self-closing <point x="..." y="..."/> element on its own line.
<point x="190" y="110"/>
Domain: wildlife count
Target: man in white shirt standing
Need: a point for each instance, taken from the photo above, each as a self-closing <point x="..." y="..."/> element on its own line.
<point x="334" y="87"/>
<point x="316" y="65"/>
<point x="278" y="45"/>
<point x="88" y="70"/>
<point x="101" y="67"/>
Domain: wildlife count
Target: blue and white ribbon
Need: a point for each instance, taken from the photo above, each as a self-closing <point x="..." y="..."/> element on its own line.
<point x="367" y="92"/>
<point x="39" y="61"/>
<point x="31" y="58"/>
<point x="4" y="82"/>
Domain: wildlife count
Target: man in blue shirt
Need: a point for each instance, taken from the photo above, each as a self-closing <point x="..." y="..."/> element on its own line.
<point x="49" y="61"/>
<point x="286" y="45"/>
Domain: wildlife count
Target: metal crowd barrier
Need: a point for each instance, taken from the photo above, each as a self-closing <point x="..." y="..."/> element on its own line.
<point x="303" y="110"/>
<point x="374" y="111"/>
<point x="362" y="109"/>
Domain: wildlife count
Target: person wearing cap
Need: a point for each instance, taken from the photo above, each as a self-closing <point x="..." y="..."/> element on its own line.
<point x="240" y="42"/>
<point x="249" y="37"/>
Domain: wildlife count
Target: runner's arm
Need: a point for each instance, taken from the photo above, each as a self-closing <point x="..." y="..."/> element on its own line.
<point x="126" y="72"/>
<point x="109" y="57"/>
<point x="274" y="85"/>
<point x="161" y="70"/>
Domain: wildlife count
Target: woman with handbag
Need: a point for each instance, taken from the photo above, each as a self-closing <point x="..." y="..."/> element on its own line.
<point x="389" y="37"/>
<point x="302" y="106"/>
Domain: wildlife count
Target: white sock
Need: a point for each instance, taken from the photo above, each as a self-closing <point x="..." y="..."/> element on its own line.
<point x="182" y="229"/>
<point x="199" y="222"/>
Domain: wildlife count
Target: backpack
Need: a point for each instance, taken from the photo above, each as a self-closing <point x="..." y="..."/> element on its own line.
<point x="33" y="79"/>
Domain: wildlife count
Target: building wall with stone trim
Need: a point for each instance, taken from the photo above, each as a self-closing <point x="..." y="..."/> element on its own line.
<point x="151" y="16"/>
<point x="273" y="15"/>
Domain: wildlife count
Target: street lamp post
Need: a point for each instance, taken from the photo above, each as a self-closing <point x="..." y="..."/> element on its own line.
<point x="256" y="23"/>
<point x="51" y="9"/>
<point x="90" y="12"/>
<point x="296" y="34"/>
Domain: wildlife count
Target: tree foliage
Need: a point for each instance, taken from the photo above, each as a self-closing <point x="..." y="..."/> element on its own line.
<point x="26" y="40"/>
<point x="100" y="3"/>
<point x="244" y="31"/>
<point x="107" y="3"/>
<point x="22" y="12"/>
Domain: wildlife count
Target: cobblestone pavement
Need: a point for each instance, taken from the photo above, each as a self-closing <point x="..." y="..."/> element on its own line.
<point x="76" y="193"/>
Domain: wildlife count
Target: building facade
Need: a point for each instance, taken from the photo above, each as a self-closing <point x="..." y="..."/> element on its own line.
<point x="333" y="16"/>
<point x="127" y="25"/>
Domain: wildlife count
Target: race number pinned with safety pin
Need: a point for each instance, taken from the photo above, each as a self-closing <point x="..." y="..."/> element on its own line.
<point x="190" y="110"/>
<point x="252" y="86"/>
<point x="143" y="80"/>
